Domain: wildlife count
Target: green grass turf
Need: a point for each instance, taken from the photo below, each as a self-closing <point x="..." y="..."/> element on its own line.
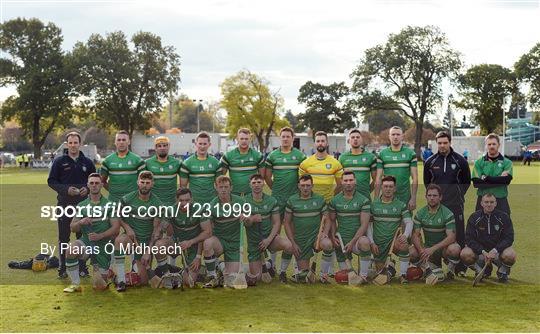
<point x="35" y="302"/>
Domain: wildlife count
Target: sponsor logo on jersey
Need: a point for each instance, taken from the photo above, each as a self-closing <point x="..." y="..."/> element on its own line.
<point x="161" y="169"/>
<point x="294" y="158"/>
<point x="129" y="162"/>
<point x="328" y="166"/>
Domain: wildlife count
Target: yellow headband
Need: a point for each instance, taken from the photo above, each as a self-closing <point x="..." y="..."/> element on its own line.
<point x="161" y="140"/>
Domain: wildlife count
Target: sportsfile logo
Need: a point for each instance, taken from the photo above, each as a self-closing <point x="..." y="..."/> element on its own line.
<point x="110" y="210"/>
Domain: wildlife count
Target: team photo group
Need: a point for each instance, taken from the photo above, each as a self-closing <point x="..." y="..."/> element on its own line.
<point x="359" y="212"/>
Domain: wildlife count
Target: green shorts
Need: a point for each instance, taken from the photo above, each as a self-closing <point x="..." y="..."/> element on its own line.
<point x="142" y="242"/>
<point x="340" y="256"/>
<point x="231" y="249"/>
<point x="102" y="259"/>
<point x="189" y="253"/>
<point x="306" y="248"/>
<point x="254" y="254"/>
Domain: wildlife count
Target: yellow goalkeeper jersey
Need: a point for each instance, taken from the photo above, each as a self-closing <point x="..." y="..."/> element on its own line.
<point x="324" y="172"/>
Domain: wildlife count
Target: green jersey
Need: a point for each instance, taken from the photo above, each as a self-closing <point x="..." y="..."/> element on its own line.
<point x="122" y="173"/>
<point x="306" y="217"/>
<point x="362" y="165"/>
<point x="488" y="167"/>
<point x="241" y="167"/>
<point x="99" y="226"/>
<point x="284" y="167"/>
<point x="266" y="207"/>
<point x="398" y="164"/>
<point x="141" y="220"/>
<point x="185" y="226"/>
<point x="387" y="218"/>
<point x="226" y="223"/>
<point x="348" y="212"/>
<point x="435" y="224"/>
<point x="201" y="174"/>
<point x="165" y="178"/>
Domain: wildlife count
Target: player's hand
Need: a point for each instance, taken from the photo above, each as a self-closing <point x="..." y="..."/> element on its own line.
<point x="349" y="247"/>
<point x="186" y="244"/>
<point x="95" y="236"/>
<point x="255" y="218"/>
<point x="402" y="239"/>
<point x="195" y="265"/>
<point x="296" y="250"/>
<point x="85" y="221"/>
<point x="492" y="255"/>
<point x="83" y="191"/>
<point x="263" y="245"/>
<point x="72" y="191"/>
<point x="412" y="204"/>
<point x="145" y="260"/>
<point x="336" y="242"/>
<point x="374" y="249"/>
<point x="426" y="254"/>
<point x="131" y="234"/>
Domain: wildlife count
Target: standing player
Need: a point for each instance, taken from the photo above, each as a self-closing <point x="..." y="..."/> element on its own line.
<point x="242" y="162"/>
<point x="200" y="170"/>
<point x="226" y="231"/>
<point x="281" y="175"/>
<point x="303" y="214"/>
<point x="263" y="227"/>
<point x="437" y="223"/>
<point x="350" y="211"/>
<point x="492" y="174"/>
<point x="165" y="169"/>
<point x="400" y="162"/>
<point x="96" y="233"/>
<point x="390" y="215"/>
<point x="489" y="237"/>
<point x="362" y="163"/>
<point x="120" y="169"/>
<point x="188" y="232"/>
<point x="141" y="228"/>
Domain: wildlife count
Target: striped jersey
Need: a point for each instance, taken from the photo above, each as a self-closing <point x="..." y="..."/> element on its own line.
<point x="241" y="167"/>
<point x="324" y="172"/>
<point x="201" y="174"/>
<point x="434" y="225"/>
<point x="226" y="224"/>
<point x="362" y="165"/>
<point x="398" y="164"/>
<point x="284" y="167"/>
<point x="387" y="218"/>
<point x="348" y="212"/>
<point x="165" y="178"/>
<point x="99" y="226"/>
<point x="306" y="215"/>
<point x="122" y="173"/>
<point x="266" y="208"/>
<point x="141" y="220"/>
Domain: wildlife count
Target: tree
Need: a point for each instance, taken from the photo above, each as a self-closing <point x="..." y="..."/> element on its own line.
<point x="250" y="103"/>
<point x="427" y="134"/>
<point x="126" y="86"/>
<point x="405" y="74"/>
<point x="379" y="120"/>
<point x="527" y="70"/>
<point x="326" y="107"/>
<point x="484" y="88"/>
<point x="293" y="121"/>
<point x="42" y="74"/>
<point x="184" y="116"/>
<point x="518" y="105"/>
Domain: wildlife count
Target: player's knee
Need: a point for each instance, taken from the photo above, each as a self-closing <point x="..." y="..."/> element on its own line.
<point x="326" y="244"/>
<point x="508" y="256"/>
<point x="363" y="244"/>
<point x="414" y="255"/>
<point x="73" y="250"/>
<point x="467" y="256"/>
<point x="400" y="246"/>
<point x="122" y="239"/>
<point x="286" y="245"/>
<point x="453" y="250"/>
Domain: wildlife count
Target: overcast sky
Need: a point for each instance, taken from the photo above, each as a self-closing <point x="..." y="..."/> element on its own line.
<point x="289" y="42"/>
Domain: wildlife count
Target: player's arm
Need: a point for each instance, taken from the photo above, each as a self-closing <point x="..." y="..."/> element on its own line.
<point x="224" y="164"/>
<point x="338" y="175"/>
<point x="75" y="225"/>
<point x="364" y="225"/>
<point x="268" y="177"/>
<point x="289" y="232"/>
<point x="329" y="221"/>
<point x="378" y="179"/>
<point x="184" y="175"/>
<point x="470" y="237"/>
<point x="104" y="173"/>
<point x="156" y="232"/>
<point x="417" y="239"/>
<point x="110" y="233"/>
<point x="373" y="179"/>
<point x="464" y="177"/>
<point x="414" y="187"/>
<point x="507" y="235"/>
<point x="206" y="232"/>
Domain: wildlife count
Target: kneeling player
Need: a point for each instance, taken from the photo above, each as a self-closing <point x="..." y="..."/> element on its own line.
<point x="489" y="237"/>
<point x="189" y="233"/>
<point x="141" y="230"/>
<point x="350" y="210"/>
<point x="304" y="212"/>
<point x="96" y="234"/>
<point x="262" y="228"/>
<point x="439" y="228"/>
<point x="389" y="214"/>
<point x="225" y="218"/>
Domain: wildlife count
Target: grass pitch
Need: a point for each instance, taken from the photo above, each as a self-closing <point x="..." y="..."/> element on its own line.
<point x="35" y="301"/>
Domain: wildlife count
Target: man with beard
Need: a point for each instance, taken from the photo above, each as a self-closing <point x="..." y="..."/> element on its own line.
<point x="450" y="171"/>
<point x="165" y="169"/>
<point x="141" y="229"/>
<point x="119" y="170"/>
<point x="362" y="163"/>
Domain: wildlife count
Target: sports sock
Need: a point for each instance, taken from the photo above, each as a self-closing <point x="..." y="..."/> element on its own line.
<point x="326" y="262"/>
<point x="172" y="260"/>
<point x="273" y="257"/>
<point x="162" y="262"/>
<point x="503" y="268"/>
<point x="342" y="265"/>
<point x="120" y="266"/>
<point x="403" y="262"/>
<point x="284" y="263"/>
<point x="210" y="263"/>
<point x="72" y="267"/>
<point x="365" y="259"/>
<point x="334" y="259"/>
